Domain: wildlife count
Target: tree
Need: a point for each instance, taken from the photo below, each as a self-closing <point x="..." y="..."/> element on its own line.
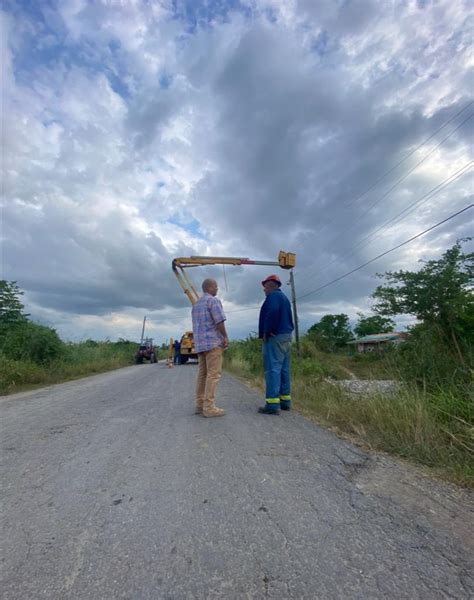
<point x="11" y="308"/>
<point x="332" y="331"/>
<point x="439" y="295"/>
<point x="34" y="342"/>
<point x="373" y="324"/>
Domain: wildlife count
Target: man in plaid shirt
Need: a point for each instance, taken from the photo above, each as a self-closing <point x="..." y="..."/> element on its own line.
<point x="210" y="341"/>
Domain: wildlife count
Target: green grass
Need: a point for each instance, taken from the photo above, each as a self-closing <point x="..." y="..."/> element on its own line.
<point x="407" y="424"/>
<point x="342" y="365"/>
<point x="432" y="427"/>
<point x="76" y="360"/>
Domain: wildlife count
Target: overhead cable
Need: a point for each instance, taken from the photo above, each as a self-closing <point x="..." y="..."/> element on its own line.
<point x="411" y="153"/>
<point x="385" y="253"/>
<point x="366" y="263"/>
<point x="430" y="194"/>
<point x="379" y="179"/>
<point x="409" y="172"/>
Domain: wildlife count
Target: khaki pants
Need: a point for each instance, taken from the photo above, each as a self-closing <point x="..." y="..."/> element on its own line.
<point x="210" y="369"/>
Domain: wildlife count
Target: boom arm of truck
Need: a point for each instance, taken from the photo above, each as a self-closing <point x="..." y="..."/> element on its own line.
<point x="286" y="260"/>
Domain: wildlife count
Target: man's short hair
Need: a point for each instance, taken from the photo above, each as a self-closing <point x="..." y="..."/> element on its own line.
<point x="206" y="283"/>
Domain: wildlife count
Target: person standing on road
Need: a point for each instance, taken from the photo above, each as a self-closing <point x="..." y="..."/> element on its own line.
<point x="177" y="352"/>
<point x="275" y="326"/>
<point x="210" y="341"/>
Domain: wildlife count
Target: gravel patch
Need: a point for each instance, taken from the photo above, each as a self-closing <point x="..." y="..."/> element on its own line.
<point x="366" y="386"/>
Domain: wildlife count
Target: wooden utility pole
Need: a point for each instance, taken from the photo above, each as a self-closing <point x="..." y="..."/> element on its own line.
<point x="295" y="313"/>
<point x="143" y="329"/>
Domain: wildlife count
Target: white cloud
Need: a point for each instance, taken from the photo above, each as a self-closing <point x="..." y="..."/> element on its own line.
<point x="136" y="131"/>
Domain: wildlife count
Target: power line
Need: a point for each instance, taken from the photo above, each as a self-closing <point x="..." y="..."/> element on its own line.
<point x="366" y="263"/>
<point x="435" y="190"/>
<point x="440" y="187"/>
<point x="409" y="172"/>
<point x="411" y="153"/>
<point x="387" y="252"/>
<point x="371" y="260"/>
<point x="228" y="312"/>
<point x="371" y="187"/>
<point x="398" y="181"/>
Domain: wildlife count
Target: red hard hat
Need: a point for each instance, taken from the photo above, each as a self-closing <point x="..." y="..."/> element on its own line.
<point x="274" y="278"/>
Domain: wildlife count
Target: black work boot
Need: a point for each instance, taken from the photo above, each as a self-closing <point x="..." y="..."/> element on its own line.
<point x="269" y="409"/>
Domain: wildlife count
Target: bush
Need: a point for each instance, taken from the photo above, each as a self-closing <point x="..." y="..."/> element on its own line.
<point x="246" y="352"/>
<point x="19" y="373"/>
<point x="32" y="342"/>
<point x="427" y="360"/>
<point x="308" y="367"/>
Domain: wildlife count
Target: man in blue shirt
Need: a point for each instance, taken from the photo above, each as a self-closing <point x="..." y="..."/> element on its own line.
<point x="274" y="328"/>
<point x="177" y="352"/>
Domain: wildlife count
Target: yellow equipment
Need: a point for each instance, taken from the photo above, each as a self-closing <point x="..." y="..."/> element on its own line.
<point x="286" y="260"/>
<point x="187" y="347"/>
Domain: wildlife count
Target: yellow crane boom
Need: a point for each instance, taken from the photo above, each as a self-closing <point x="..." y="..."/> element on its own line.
<point x="286" y="260"/>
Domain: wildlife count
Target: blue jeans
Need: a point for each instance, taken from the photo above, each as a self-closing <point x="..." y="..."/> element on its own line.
<point x="276" y="362"/>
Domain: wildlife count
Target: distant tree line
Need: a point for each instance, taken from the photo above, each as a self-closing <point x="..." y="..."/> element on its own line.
<point x="21" y="339"/>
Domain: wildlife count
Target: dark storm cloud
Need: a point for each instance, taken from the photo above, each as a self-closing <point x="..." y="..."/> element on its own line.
<point x="297" y="147"/>
<point x="241" y="130"/>
<point x="87" y="271"/>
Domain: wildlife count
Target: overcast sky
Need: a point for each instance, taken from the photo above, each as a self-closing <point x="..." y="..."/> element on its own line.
<point x="138" y="131"/>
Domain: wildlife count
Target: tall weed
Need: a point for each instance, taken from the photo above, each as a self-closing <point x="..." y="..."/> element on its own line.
<point x="429" y="424"/>
<point x="406" y="424"/>
<point x="74" y="360"/>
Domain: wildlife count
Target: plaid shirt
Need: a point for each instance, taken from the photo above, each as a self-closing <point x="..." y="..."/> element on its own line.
<point x="207" y="313"/>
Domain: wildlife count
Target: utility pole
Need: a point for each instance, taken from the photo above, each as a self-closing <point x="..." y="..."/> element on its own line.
<point x="143" y="329"/>
<point x="295" y="313"/>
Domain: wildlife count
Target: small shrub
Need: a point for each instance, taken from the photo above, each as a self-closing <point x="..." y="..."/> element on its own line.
<point x="428" y="362"/>
<point x="19" y="373"/>
<point x="32" y="342"/>
<point x="247" y="353"/>
<point x="308" y="367"/>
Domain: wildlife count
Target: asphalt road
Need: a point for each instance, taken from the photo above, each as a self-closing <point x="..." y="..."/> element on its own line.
<point x="113" y="488"/>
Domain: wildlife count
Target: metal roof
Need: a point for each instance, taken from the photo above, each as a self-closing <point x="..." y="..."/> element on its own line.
<point x="377" y="337"/>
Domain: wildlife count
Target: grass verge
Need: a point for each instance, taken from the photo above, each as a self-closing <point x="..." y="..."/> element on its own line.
<point x="412" y="424"/>
<point x="76" y="361"/>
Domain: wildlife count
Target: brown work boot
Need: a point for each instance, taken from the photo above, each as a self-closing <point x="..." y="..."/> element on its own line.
<point x="198" y="410"/>
<point x="213" y="411"/>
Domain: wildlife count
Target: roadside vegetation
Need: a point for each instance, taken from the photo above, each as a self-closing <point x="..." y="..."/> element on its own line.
<point x="429" y="419"/>
<point x="32" y="355"/>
